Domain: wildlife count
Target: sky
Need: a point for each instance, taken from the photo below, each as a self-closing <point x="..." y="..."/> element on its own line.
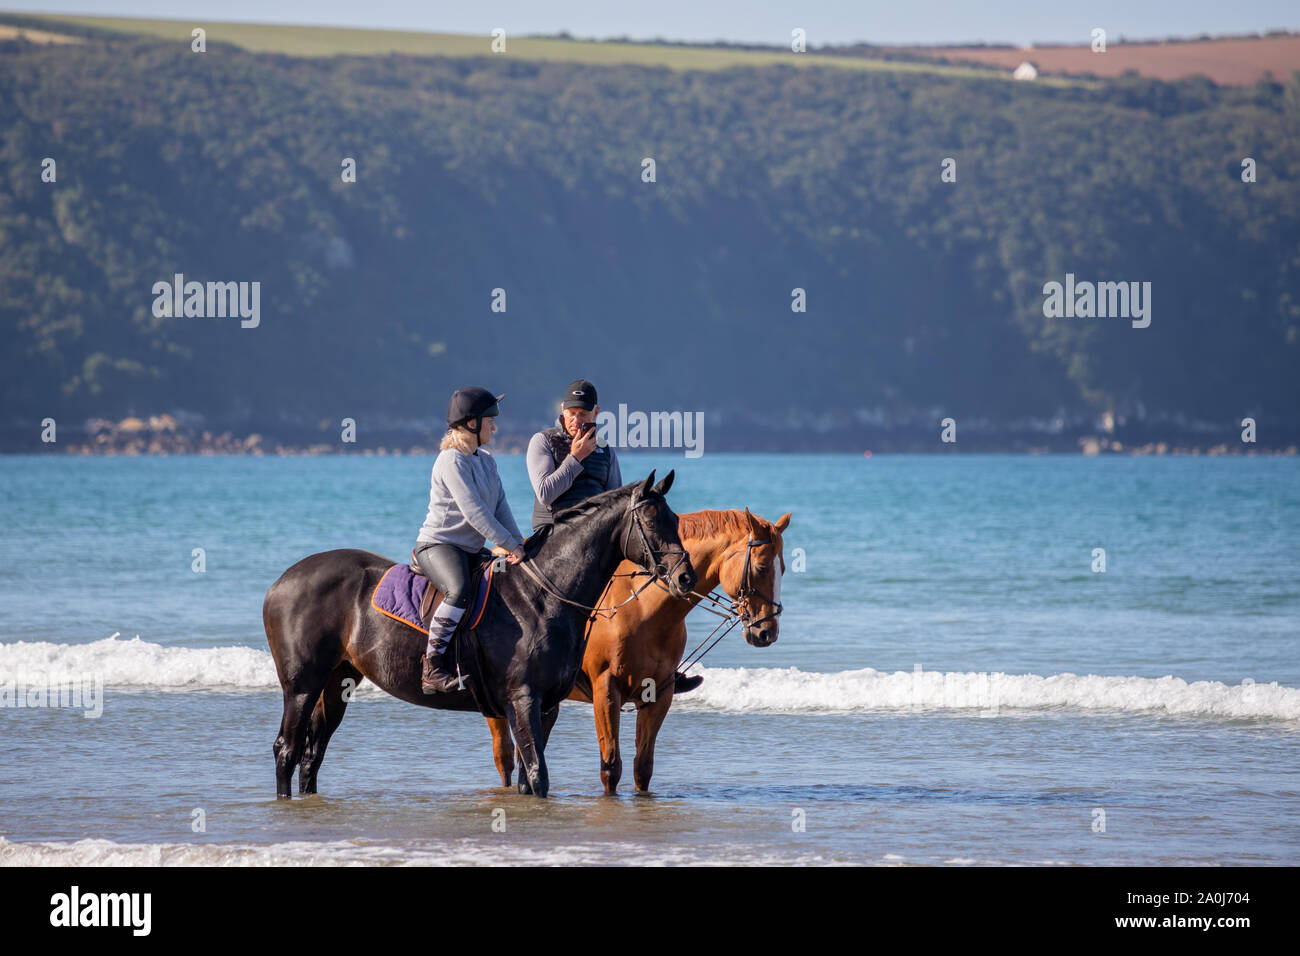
<point x="755" y="21"/>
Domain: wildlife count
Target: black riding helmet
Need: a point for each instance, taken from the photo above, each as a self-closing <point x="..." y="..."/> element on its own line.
<point x="472" y="402"/>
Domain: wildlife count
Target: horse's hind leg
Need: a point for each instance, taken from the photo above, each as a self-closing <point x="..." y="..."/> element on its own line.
<point x="298" y="704"/>
<point x="525" y="715"/>
<point x="301" y="692"/>
<point x="503" y="748"/>
<point x="325" y="719"/>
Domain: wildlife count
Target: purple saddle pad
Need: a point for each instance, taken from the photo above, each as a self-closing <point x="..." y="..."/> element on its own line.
<point x="400" y="591"/>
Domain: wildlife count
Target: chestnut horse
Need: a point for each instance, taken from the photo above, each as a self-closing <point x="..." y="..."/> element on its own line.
<point x="641" y="646"/>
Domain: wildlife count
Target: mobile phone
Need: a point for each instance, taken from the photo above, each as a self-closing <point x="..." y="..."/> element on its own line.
<point x="588" y="427"/>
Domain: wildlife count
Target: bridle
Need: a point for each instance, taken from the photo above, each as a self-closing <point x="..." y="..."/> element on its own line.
<point x="746" y="590"/>
<point x="655" y="576"/>
<point x="661" y="571"/>
<point x="731" y="610"/>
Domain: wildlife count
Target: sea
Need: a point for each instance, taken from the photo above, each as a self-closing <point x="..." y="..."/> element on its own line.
<point x="983" y="660"/>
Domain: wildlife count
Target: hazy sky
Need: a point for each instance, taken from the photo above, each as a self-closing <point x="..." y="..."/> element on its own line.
<point x="765" y="21"/>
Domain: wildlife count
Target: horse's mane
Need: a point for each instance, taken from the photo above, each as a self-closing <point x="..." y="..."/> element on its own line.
<point x="587" y="505"/>
<point x="702" y="524"/>
<point x="543" y="534"/>
<point x="533" y="543"/>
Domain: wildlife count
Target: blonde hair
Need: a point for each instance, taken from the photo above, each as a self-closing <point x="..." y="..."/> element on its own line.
<point x="459" y="439"/>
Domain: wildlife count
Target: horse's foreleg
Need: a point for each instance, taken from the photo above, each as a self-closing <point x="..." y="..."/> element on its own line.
<point x="648" y="721"/>
<point x="606" y="703"/>
<point x="525" y="715"/>
<point x="548" y="724"/>
<point x="503" y="748"/>
<point x="325" y="719"/>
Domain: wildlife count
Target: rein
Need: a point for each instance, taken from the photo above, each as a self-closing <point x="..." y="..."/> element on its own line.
<point x="733" y="613"/>
<point x="659" y="572"/>
<point x="606" y="612"/>
<point x="730" y="609"/>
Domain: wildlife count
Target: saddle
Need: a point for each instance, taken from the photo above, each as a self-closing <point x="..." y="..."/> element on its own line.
<point x="404" y="594"/>
<point x="432" y="597"/>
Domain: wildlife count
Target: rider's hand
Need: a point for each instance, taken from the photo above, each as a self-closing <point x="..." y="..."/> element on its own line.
<point x="583" y="444"/>
<point x="515" y="556"/>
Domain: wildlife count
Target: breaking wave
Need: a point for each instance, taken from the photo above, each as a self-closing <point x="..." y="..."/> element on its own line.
<point x="140" y="664"/>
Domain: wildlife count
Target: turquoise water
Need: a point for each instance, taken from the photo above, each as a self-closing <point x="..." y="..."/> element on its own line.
<point x="953" y="681"/>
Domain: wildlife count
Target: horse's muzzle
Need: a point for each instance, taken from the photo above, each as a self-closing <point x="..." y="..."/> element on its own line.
<point x="762" y="636"/>
<point x="681" y="582"/>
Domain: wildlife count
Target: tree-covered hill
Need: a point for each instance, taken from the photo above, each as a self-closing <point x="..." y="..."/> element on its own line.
<point x="474" y="174"/>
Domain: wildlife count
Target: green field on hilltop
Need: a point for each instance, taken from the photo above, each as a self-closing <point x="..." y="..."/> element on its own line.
<point x="314" y="41"/>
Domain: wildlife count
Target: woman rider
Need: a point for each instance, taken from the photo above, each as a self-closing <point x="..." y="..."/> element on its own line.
<point x="466" y="506"/>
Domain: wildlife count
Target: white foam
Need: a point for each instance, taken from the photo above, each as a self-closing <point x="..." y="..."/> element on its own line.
<point x="137" y="663"/>
<point x="359" y="853"/>
<point x="141" y="664"/>
<point x="796" y="691"/>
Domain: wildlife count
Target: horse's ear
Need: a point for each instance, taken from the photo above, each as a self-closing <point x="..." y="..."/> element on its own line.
<point x="782" y="522"/>
<point x="663" y="486"/>
<point x="645" y="486"/>
<point x="754" y="529"/>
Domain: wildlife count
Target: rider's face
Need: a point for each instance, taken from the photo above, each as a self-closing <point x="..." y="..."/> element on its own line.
<point x="574" y="418"/>
<point x="487" y="431"/>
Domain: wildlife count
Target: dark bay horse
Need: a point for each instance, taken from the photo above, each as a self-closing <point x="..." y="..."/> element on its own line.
<point x="644" y="641"/>
<point x="323" y="631"/>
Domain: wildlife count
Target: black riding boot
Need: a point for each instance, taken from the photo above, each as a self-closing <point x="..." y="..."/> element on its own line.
<point x="437" y="676"/>
<point x="682" y="683"/>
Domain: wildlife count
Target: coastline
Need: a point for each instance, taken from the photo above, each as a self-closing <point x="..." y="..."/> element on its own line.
<point x="163" y="435"/>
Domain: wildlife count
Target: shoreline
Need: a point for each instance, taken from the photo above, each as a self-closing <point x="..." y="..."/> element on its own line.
<point x="164" y="435"/>
<point x="227" y="446"/>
